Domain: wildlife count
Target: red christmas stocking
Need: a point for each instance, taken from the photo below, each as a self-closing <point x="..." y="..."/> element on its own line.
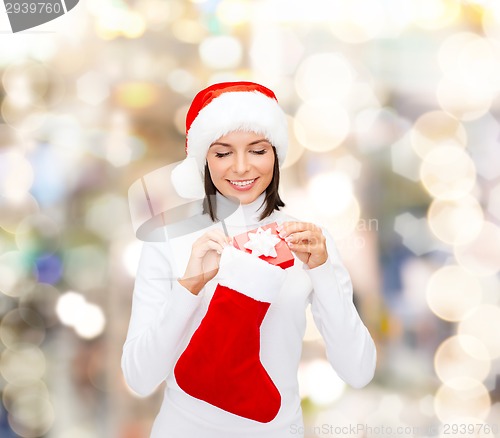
<point x="221" y="364"/>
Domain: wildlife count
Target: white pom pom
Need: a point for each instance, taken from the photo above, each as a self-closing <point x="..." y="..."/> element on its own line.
<point x="187" y="181"/>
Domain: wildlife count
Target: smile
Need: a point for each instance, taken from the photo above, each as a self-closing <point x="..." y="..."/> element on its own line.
<point x="242" y="183"/>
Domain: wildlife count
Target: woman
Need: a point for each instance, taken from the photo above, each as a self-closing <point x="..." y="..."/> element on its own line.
<point x="227" y="334"/>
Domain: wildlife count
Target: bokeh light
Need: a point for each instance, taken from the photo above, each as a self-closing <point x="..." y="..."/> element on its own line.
<point x="31" y="415"/>
<point x="275" y="53"/>
<point x="38" y="233"/>
<point x="455" y="221"/>
<point x="86" y="318"/>
<point x="30" y="386"/>
<point x="435" y="14"/>
<point x="494" y="202"/>
<point x="21" y="326"/>
<point x="105" y="215"/>
<point x="491" y="19"/>
<point x="189" y="31"/>
<point x="463" y="103"/>
<point x="221" y="52"/>
<point x="69" y="306"/>
<point x="93" y="88"/>
<point x="415" y="232"/>
<point x="331" y="193"/>
<point x="481" y="256"/>
<point x="16" y="273"/>
<point x="16" y="175"/>
<point x="321" y="125"/>
<point x="344" y="222"/>
<point x="349" y="165"/>
<point x="463" y="397"/>
<point x="154" y="12"/>
<point x="85" y="267"/>
<point x="358" y="21"/>
<point x="24" y="120"/>
<point x="331" y="196"/>
<point x="319" y="382"/>
<point x="447" y="172"/>
<point x="484" y="136"/>
<point x="482" y="322"/>
<point x="25" y="363"/>
<point x="136" y="95"/>
<point x="470" y="60"/>
<point x="42" y="297"/>
<point x="13" y="212"/>
<point x="91" y="322"/>
<point x="434" y="129"/>
<point x="452" y="292"/>
<point x="471" y="67"/>
<point x="404" y="159"/>
<point x="234" y="12"/>
<point x="324" y="76"/>
<point x="453" y="362"/>
<point x="451" y="46"/>
<point x="181" y="81"/>
<point x="26" y="83"/>
<point x="295" y="149"/>
<point x="115" y="20"/>
<point x="131" y="256"/>
<point x="49" y="268"/>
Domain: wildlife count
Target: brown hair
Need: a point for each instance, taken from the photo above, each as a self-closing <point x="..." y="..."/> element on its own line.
<point x="272" y="201"/>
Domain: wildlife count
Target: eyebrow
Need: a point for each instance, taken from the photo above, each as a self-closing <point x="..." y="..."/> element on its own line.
<point x="250" y="144"/>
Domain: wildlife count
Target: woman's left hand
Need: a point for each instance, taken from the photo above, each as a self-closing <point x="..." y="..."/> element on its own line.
<point x="306" y="240"/>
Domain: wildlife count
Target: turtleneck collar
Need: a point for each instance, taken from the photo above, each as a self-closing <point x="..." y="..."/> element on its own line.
<point x="236" y="214"/>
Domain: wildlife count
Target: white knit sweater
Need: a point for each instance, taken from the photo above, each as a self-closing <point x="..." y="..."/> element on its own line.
<point x="165" y="315"/>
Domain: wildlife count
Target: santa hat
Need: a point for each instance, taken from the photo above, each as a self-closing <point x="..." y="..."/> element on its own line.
<point x="220" y="109"/>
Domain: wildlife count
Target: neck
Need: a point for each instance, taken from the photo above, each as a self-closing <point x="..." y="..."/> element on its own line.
<point x="234" y="213"/>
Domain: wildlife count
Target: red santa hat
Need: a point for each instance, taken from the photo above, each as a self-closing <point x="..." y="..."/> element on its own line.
<point x="220" y="109"/>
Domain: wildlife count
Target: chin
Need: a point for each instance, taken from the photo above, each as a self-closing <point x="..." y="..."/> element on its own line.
<point x="245" y="199"/>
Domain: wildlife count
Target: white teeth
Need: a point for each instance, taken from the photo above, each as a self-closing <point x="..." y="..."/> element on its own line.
<point x="243" y="183"/>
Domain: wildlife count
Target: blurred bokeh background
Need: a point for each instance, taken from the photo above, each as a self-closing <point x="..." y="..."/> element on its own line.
<point x="394" y="124"/>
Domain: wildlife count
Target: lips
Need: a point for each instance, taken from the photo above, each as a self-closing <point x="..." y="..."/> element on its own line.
<point x="242" y="184"/>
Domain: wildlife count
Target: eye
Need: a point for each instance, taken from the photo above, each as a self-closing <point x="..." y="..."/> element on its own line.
<point x="261" y="152"/>
<point x="221" y="155"/>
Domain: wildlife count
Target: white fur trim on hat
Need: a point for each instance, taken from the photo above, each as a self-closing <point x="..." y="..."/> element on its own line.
<point x="187" y="180"/>
<point x="237" y="111"/>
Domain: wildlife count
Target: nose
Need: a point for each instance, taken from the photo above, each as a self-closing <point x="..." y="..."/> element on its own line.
<point x="241" y="163"/>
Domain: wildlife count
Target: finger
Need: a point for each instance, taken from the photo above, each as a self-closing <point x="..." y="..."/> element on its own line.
<point x="306" y="241"/>
<point x="202" y="248"/>
<point x="215" y="246"/>
<point x="216" y="236"/>
<point x="302" y="247"/>
<point x="303" y="236"/>
<point x="294" y="227"/>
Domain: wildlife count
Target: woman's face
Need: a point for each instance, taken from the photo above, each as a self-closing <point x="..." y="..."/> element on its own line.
<point x="241" y="165"/>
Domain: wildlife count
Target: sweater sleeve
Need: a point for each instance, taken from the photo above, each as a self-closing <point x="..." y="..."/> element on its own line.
<point x="161" y="311"/>
<point x="349" y="346"/>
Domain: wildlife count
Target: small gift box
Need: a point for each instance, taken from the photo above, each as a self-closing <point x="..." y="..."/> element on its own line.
<point x="265" y="243"/>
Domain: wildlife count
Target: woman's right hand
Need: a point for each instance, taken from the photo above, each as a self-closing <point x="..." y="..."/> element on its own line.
<point x="203" y="263"/>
